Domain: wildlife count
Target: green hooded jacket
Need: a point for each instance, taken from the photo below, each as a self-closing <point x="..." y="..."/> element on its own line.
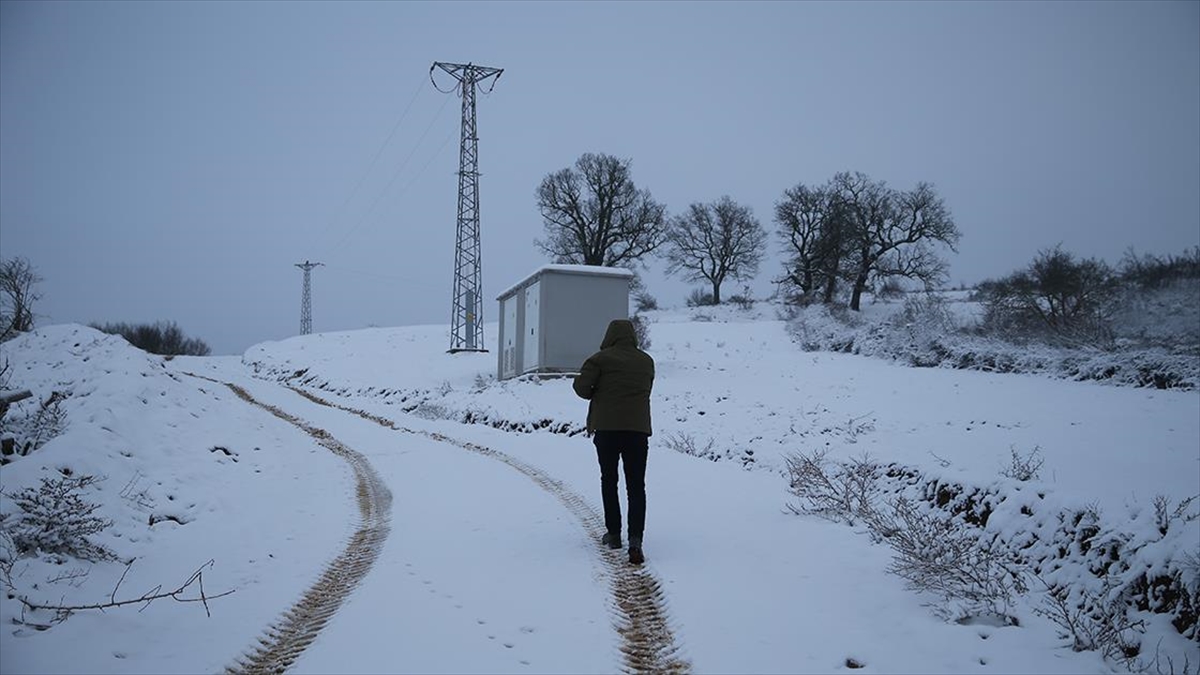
<point x="617" y="381"/>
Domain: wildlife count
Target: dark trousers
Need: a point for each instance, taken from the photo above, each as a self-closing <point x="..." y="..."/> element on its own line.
<point x="629" y="448"/>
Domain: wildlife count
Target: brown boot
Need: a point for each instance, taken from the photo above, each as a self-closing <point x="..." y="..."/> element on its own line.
<point x="635" y="551"/>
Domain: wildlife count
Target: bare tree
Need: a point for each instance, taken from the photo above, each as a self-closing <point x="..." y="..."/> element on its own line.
<point x="715" y="242"/>
<point x="1071" y="300"/>
<point x="894" y="232"/>
<point x="812" y="223"/>
<point x="593" y="214"/>
<point x="17" y="297"/>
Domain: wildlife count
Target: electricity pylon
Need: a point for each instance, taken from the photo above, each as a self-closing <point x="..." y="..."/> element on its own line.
<point x="306" y="298"/>
<point x="466" y="323"/>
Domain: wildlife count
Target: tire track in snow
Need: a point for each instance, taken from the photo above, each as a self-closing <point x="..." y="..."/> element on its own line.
<point x="282" y="643"/>
<point x="647" y="639"/>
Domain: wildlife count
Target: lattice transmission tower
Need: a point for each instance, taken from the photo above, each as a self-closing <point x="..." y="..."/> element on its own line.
<point x="306" y="297"/>
<point x="466" y="322"/>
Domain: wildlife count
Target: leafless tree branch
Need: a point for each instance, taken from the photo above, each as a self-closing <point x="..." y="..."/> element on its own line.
<point x="156" y="593"/>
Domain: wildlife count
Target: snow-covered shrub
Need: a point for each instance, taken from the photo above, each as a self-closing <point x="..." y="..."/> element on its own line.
<point x="1099" y="578"/>
<point x="699" y="298"/>
<point x="744" y="300"/>
<point x="890" y="289"/>
<point x="1056" y="298"/>
<point x="644" y="302"/>
<point x="841" y="492"/>
<point x="641" y="329"/>
<point x="1024" y="467"/>
<point x="689" y="445"/>
<point x="1150" y="271"/>
<point x="433" y="411"/>
<point x="933" y="553"/>
<point x="915" y="333"/>
<point x="1165" y="515"/>
<point x="27" y="426"/>
<point x="826" y="328"/>
<point x="481" y="382"/>
<point x="923" y="335"/>
<point x="686" y="444"/>
<point x="55" y="518"/>
<point x="1094" y="621"/>
<point x="1165" y="316"/>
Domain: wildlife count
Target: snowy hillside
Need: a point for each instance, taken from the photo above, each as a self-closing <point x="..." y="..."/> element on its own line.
<point x="737" y="380"/>
<point x="409" y="513"/>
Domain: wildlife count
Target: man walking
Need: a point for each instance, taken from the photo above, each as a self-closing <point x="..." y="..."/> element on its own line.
<point x="616" y="381"/>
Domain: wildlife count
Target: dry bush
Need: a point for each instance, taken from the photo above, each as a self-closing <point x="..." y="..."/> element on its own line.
<point x="1094" y="620"/>
<point x="1056" y="298"/>
<point x="1164" y="515"/>
<point x="839" y="492"/>
<point x="687" y="444"/>
<point x="17" y="297"/>
<point x="938" y="554"/>
<point x="1024" y="467"/>
<point x="644" y="302"/>
<point x="700" y="298"/>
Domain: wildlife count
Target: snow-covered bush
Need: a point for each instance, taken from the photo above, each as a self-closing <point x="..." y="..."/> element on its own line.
<point x="641" y="328"/>
<point x="826" y="328"/>
<point x="923" y="334"/>
<point x="55" y="518"/>
<point x="1094" y="621"/>
<point x="915" y="332"/>
<point x="973" y="576"/>
<point x="700" y="298"/>
<point x="934" y="553"/>
<point x="1024" y="466"/>
<point x="841" y="492"/>
<point x="1056" y="299"/>
<point x="980" y="547"/>
<point x="688" y="445"/>
<point x="1165" y="316"/>
<point x="644" y="302"/>
<point x="28" y="424"/>
<point x="744" y="300"/>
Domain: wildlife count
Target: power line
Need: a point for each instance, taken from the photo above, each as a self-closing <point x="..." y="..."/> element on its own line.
<point x="418" y="281"/>
<point x="374" y="160"/>
<point x="396" y="174"/>
<point x="466" y="325"/>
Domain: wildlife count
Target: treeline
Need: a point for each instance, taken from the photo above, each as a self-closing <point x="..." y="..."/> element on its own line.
<point x="18" y="294"/>
<point x="1063" y="299"/>
<point x="841" y="238"/>
<point x="164" y="338"/>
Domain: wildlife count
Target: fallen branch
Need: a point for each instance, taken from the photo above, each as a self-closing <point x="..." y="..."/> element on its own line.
<point x="146" y="598"/>
<point x="14" y="395"/>
<point x="8" y="398"/>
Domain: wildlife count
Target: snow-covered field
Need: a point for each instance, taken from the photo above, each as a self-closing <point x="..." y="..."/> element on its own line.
<point x="490" y="562"/>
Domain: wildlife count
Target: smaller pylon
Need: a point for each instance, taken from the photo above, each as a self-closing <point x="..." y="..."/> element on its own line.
<point x="306" y="298"/>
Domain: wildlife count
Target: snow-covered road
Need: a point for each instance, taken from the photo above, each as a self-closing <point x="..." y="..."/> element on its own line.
<point x="485" y="572"/>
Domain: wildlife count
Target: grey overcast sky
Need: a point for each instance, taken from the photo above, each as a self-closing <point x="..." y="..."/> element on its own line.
<point x="174" y="160"/>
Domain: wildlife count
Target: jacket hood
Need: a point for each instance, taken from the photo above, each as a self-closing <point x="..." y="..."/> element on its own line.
<point x="620" y="332"/>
